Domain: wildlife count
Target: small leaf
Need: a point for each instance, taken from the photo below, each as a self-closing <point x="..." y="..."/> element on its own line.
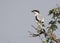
<point x="35" y="35"/>
<point x="58" y="21"/>
<point x="49" y="30"/>
<point x="53" y="27"/>
<point x="48" y="39"/>
<point x="58" y="17"/>
<point x="54" y="15"/>
<point x="51" y="11"/>
<point x="52" y="22"/>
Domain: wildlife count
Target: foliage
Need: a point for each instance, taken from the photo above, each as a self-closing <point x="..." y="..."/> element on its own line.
<point x="52" y="26"/>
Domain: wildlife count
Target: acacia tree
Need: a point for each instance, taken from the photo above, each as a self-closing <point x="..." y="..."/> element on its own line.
<point x="48" y="32"/>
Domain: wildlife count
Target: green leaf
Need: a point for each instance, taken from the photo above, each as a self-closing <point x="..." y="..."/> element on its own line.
<point x="58" y="21"/>
<point x="58" y="17"/>
<point x="48" y="39"/>
<point x="51" y="11"/>
<point x="49" y="30"/>
<point x="53" y="27"/>
<point x="52" y="22"/>
<point x="35" y="35"/>
<point x="54" y="15"/>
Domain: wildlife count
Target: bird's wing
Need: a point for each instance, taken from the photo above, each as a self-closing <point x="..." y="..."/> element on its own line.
<point x="40" y="18"/>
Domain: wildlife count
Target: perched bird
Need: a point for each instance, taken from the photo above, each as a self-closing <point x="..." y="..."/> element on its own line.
<point x="38" y="18"/>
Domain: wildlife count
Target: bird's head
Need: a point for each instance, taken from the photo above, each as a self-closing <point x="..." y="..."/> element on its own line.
<point x="35" y="11"/>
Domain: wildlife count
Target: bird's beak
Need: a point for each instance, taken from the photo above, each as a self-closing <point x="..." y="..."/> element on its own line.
<point x="32" y="11"/>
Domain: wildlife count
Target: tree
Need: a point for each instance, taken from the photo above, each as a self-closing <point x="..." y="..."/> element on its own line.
<point x="48" y="32"/>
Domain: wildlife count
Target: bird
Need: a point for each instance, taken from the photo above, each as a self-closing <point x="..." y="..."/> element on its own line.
<point x="39" y="19"/>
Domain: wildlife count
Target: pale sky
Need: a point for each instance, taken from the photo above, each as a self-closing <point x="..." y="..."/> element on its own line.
<point x="16" y="19"/>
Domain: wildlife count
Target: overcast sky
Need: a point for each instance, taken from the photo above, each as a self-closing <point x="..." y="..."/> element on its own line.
<point x="16" y="19"/>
